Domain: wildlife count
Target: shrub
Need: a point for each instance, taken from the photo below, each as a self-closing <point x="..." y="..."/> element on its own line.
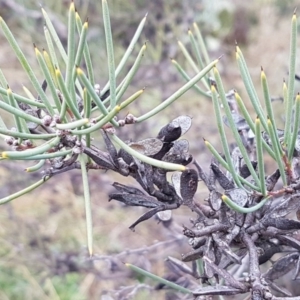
<point x="246" y="217"/>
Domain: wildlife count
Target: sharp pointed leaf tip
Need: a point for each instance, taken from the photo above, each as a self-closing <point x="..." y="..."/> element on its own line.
<point x="3" y="155"/>
<point x="213" y="89"/>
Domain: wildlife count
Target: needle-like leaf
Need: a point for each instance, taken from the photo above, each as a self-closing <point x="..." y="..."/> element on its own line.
<point x="291" y="84"/>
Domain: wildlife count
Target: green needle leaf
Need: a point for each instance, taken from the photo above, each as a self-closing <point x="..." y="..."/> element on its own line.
<point x="20" y="113"/>
<point x="225" y="165"/>
<point x="178" y="93"/>
<point x="22" y="99"/>
<point x="202" y="46"/>
<point x="296" y="124"/>
<point x="29" y="136"/>
<point x="81" y="45"/>
<point x="260" y="157"/>
<point x="188" y="57"/>
<point x="247" y="117"/>
<point x="233" y="126"/>
<point x="131" y="73"/>
<point x="128" y="52"/>
<point x="14" y="104"/>
<point x="224" y="142"/>
<point x="267" y="97"/>
<point x="291" y="84"/>
<point x="20" y="55"/>
<point x="250" y="86"/>
<point x="147" y="159"/>
<point x="188" y="78"/>
<point x="106" y="119"/>
<point x="71" y="46"/>
<point x="24" y="191"/>
<point x="132" y="98"/>
<point x="159" y="279"/>
<point x="110" y="54"/>
<point x="278" y="151"/>
<point x="90" y="89"/>
<point x="36" y="167"/>
<point x="47" y="73"/>
<point x="72" y="125"/>
<point x="244" y="210"/>
<point x="86" y="52"/>
<point x="196" y="50"/>
<point x="67" y="97"/>
<point x="87" y="202"/>
<point x="30" y="152"/>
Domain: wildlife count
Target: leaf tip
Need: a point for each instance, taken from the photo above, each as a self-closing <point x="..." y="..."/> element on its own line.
<point x="127" y="264"/>
<point x="4" y="155"/>
<point x="213" y="88"/>
<point x="72" y="6"/>
<point x="79" y="71"/>
<point x="57" y="72"/>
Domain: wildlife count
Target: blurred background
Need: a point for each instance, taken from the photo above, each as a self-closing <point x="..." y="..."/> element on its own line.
<point x="42" y="234"/>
